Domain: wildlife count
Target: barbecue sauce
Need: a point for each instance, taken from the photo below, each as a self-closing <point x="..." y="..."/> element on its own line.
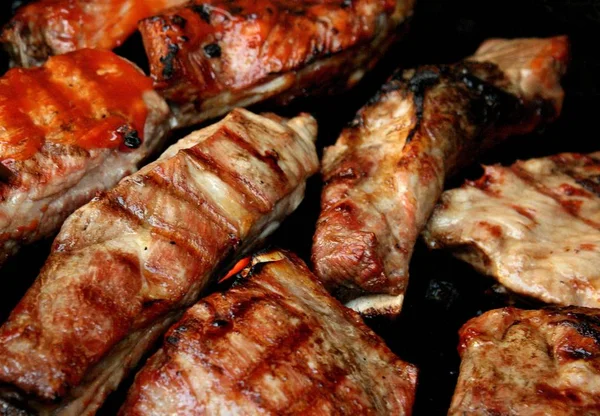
<point x="89" y="98"/>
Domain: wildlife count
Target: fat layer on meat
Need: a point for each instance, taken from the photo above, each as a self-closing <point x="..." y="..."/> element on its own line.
<point x="534" y="226"/>
<point x="276" y="343"/>
<point x="209" y="56"/>
<point x="525" y="363"/>
<point x="387" y="170"/>
<point x="69" y="129"/>
<point x="44" y="28"/>
<point x="126" y="265"/>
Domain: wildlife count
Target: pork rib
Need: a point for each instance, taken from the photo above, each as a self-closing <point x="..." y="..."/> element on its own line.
<point x="387" y="170"/>
<point x="126" y="265"/>
<point x="539" y="362"/>
<point x="209" y="56"/>
<point x="275" y="344"/>
<point x="69" y="129"/>
<point x="52" y="27"/>
<point x="533" y="226"/>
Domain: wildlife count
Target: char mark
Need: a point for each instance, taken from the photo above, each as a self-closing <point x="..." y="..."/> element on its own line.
<point x="590" y="184"/>
<point x="212" y="50"/>
<point x="492" y="104"/>
<point x="419" y="83"/>
<point x="168" y="61"/>
<point x="202" y="10"/>
<point x="587" y="326"/>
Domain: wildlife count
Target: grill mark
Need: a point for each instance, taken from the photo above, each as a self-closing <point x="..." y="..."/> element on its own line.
<point x="204" y="207"/>
<point x="270" y="159"/>
<point x="275" y="353"/>
<point x="28" y="127"/>
<point x="589" y="185"/>
<point x="544" y="190"/>
<point x="226" y="175"/>
<point x="117" y="201"/>
<point x="422" y="80"/>
<point x="328" y="383"/>
<point x="96" y="296"/>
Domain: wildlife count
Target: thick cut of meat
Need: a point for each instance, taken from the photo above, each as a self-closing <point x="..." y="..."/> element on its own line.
<point x="275" y="344"/>
<point x="534" y="226"/>
<point x="52" y="27"/>
<point x="387" y="170"/>
<point x="126" y="265"/>
<point x="209" y="56"/>
<point x="525" y="363"/>
<point x="69" y="129"/>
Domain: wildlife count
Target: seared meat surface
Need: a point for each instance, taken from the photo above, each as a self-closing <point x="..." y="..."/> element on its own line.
<point x="53" y="27"/>
<point x="209" y="56"/>
<point x="525" y="363"/>
<point x="387" y="170"/>
<point x="533" y="226"/>
<point x="69" y="129"/>
<point x="276" y="343"/>
<point x="126" y="265"/>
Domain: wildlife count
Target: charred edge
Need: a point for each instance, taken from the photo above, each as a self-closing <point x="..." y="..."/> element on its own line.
<point x="590" y="184"/>
<point x="498" y="105"/>
<point x="419" y="83"/>
<point x="212" y="50"/>
<point x="587" y="326"/>
<point x="6" y="175"/>
<point x="168" y="61"/>
<point x="179" y="21"/>
<point x="202" y="10"/>
<point x="346" y="4"/>
<point x="13" y="403"/>
<point x="131" y="138"/>
<point x="577" y="353"/>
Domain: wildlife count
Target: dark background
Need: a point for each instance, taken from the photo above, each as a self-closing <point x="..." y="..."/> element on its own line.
<point x="443" y="293"/>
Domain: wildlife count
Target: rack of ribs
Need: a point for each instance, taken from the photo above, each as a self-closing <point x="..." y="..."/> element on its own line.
<point x="276" y="343"/>
<point x="387" y="170"/>
<point x="126" y="265"/>
<point x="69" y="129"/>
<point x="207" y="57"/>
<point x="534" y="226"/>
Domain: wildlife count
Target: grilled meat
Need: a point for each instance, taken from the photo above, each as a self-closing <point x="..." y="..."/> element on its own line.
<point x="277" y="343"/>
<point x="539" y="362"/>
<point x="209" y="56"/>
<point x="124" y="266"/>
<point x="71" y="128"/>
<point x="387" y="170"/>
<point x="534" y="226"/>
<point x="52" y="27"/>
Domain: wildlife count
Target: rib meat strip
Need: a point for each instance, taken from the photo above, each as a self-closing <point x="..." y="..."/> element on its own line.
<point x="69" y="129"/>
<point x="524" y="363"/>
<point x="533" y="226"/>
<point x="387" y="170"/>
<point x="209" y="56"/>
<point x="125" y="266"/>
<point x="276" y="343"/>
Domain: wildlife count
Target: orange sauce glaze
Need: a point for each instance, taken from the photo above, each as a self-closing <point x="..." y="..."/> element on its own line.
<point x="88" y="98"/>
<point x="77" y="24"/>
